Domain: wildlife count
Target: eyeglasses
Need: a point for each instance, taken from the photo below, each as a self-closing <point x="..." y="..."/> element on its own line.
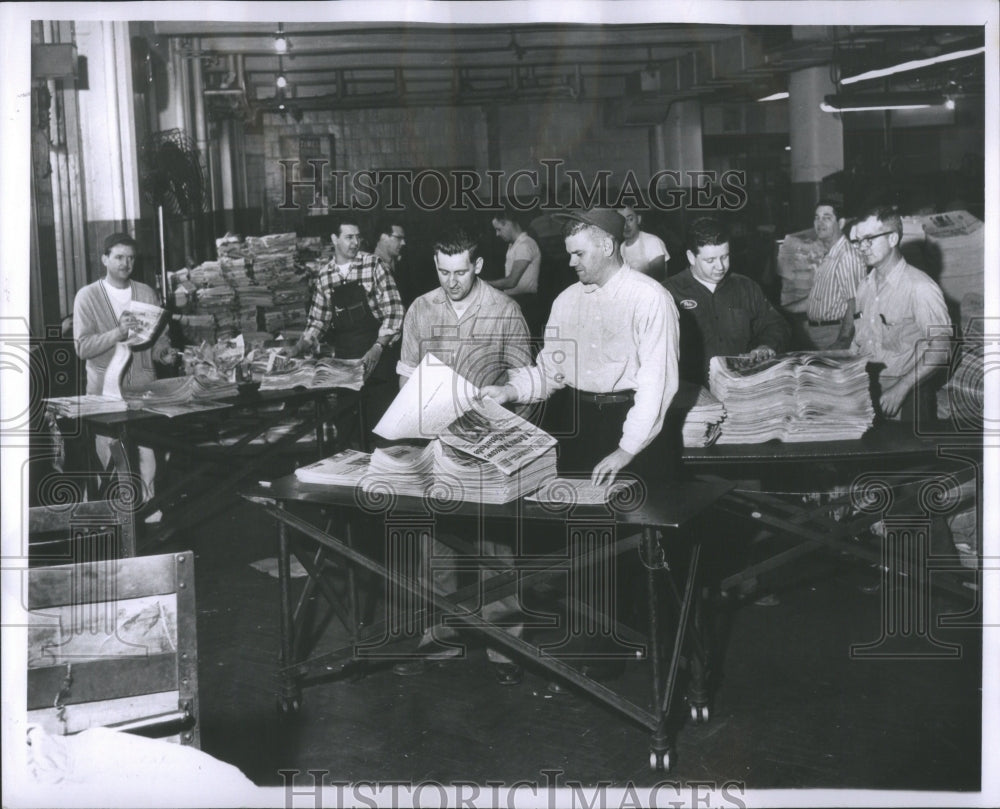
<point x="400" y="236"/>
<point x="866" y="241"/>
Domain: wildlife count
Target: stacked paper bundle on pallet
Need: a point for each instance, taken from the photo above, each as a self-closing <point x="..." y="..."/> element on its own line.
<point x="957" y="239"/>
<point x="198" y="329"/>
<point x="700" y="415"/>
<point x="273" y="258"/>
<point x="799" y="396"/>
<point x="798" y="256"/>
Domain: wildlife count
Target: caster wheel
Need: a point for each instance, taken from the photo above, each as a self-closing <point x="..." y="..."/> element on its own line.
<point x="289" y="706"/>
<point x="659" y="761"/>
<point x="699" y="714"/>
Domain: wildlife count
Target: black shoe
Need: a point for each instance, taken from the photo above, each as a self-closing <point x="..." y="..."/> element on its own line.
<point x="508" y="673"/>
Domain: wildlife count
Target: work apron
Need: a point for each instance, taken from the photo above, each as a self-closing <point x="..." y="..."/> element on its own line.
<point x="355" y="330"/>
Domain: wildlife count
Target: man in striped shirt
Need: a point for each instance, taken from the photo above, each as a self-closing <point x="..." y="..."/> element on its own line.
<point x="830" y="306"/>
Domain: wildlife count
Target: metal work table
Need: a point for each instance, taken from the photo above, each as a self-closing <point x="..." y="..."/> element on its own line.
<point x="224" y="446"/>
<point x="892" y="477"/>
<point x="317" y="521"/>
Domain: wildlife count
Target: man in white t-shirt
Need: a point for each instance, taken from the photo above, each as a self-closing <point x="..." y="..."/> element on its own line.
<point x="642" y="251"/>
<point x="101" y="320"/>
<point x="521" y="268"/>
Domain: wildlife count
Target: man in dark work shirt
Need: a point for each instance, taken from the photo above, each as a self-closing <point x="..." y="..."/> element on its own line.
<point x="721" y="313"/>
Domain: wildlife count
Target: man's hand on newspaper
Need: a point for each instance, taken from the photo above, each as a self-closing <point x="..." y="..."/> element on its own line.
<point x="501" y="394"/>
<point x="608" y="468"/>
<point x="302" y="346"/>
<point x="126" y="322"/>
<point x="761" y="353"/>
<point x="892" y="399"/>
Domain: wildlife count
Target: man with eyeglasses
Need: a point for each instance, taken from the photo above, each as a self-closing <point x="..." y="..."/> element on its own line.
<point x="900" y="317"/>
<point x="830" y="305"/>
<point x="391" y="240"/>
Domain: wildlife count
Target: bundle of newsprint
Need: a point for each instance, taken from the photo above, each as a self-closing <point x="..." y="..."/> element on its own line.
<point x="450" y="444"/>
<point x="798" y="396"/>
<point x="700" y="415"/>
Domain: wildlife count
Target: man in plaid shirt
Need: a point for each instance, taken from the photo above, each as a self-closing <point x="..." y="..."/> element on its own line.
<point x="356" y="306"/>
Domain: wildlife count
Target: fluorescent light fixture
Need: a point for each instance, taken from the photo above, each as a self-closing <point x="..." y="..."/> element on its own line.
<point x="774" y="97"/>
<point x="916" y="64"/>
<point x="881" y="101"/>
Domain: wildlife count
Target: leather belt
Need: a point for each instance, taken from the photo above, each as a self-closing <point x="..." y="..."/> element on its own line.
<point x="617" y="397"/>
<point x="824" y="322"/>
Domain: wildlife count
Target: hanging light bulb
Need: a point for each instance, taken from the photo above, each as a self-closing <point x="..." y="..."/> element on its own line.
<point x="280" y="40"/>
<point x="281" y="81"/>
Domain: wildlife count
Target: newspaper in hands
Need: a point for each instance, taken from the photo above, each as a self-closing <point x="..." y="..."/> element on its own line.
<point x="148" y="318"/>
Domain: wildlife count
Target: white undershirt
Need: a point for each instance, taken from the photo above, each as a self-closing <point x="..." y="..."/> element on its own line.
<point x="708" y="286"/>
<point x="120" y="298"/>
<point x="461" y="306"/>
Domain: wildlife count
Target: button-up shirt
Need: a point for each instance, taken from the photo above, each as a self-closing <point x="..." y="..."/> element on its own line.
<point x="380" y="291"/>
<point x="482" y="345"/>
<point x="602" y="339"/>
<point x="835" y="282"/>
<point x="734" y="319"/>
<point x="896" y="318"/>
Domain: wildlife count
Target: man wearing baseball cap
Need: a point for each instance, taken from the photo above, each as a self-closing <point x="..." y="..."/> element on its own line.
<point x="610" y="349"/>
<point x="609" y="362"/>
<point x="101" y="320"/>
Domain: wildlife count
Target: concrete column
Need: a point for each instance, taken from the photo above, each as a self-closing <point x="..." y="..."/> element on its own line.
<point x="107" y="132"/>
<point x="676" y="146"/>
<point x="816" y="138"/>
<point x="676" y="143"/>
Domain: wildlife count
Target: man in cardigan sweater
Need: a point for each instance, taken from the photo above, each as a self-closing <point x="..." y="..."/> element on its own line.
<point x="101" y="320"/>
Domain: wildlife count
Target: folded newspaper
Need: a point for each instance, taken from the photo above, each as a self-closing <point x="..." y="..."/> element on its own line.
<point x="477" y="451"/>
<point x="149" y="317"/>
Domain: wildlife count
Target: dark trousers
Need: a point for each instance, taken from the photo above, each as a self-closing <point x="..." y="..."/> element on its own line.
<point x="588" y="432"/>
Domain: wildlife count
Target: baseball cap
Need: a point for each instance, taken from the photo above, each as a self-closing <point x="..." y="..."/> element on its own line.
<point x="118" y="238"/>
<point x="607" y="219"/>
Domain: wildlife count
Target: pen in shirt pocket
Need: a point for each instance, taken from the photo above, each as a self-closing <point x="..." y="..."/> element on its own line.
<point x="884" y="321"/>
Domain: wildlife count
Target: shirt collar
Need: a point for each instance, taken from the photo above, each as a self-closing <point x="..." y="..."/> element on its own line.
<point x="610" y="286"/>
<point x="890" y="275"/>
<point x="475" y="296"/>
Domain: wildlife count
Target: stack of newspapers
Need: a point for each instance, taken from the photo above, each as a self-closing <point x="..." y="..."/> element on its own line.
<point x="492" y="464"/>
<point x="345" y="468"/>
<point x="400" y="469"/>
<point x="700" y="415"/>
<point x="285" y="374"/>
<point x="799" y="396"/>
<point x="480" y="451"/>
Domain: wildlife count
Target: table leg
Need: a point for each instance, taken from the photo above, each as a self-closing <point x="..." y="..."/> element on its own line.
<point x="660" y="750"/>
<point x="661" y="747"/>
<point x="290" y="693"/>
<point x="698" y="659"/>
